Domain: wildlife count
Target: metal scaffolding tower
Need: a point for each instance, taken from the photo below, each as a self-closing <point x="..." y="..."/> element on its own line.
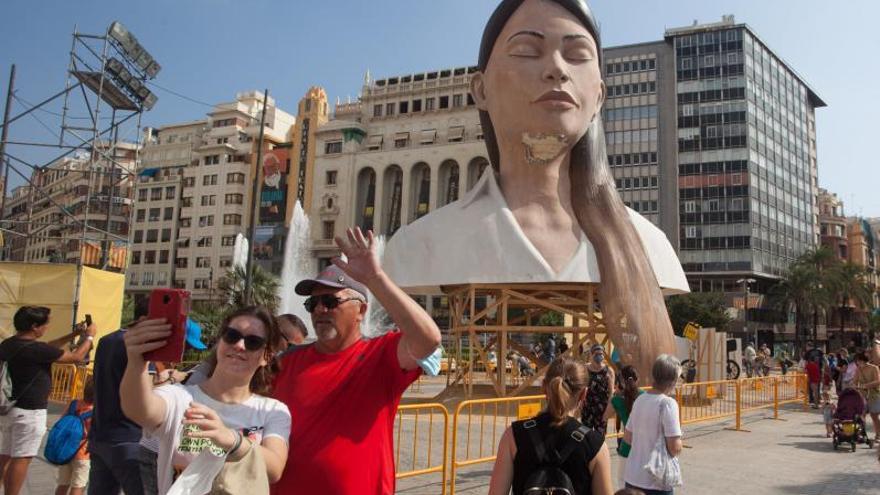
<point x="106" y="74"/>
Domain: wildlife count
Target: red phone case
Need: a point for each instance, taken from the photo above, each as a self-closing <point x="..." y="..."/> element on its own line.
<point x="173" y="305"/>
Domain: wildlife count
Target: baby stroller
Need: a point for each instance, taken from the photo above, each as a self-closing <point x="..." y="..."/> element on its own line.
<point x="849" y="423"/>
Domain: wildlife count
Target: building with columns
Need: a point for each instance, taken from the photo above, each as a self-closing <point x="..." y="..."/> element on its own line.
<point x="409" y="145"/>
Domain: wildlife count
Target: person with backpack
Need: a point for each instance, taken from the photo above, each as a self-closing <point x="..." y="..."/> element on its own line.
<point x="73" y="476"/>
<point x="27" y="364"/>
<point x="553" y="450"/>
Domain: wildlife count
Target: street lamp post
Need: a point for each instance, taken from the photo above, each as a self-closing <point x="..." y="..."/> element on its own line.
<point x="745" y="283"/>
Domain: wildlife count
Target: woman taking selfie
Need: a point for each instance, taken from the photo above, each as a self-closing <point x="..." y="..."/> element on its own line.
<point x="229" y="411"/>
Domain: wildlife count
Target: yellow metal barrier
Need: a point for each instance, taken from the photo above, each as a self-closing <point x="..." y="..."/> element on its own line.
<point x="421" y="422"/>
<point x="502" y="411"/>
<point x="706" y="401"/>
<point x="68" y="381"/>
<point x="477" y="425"/>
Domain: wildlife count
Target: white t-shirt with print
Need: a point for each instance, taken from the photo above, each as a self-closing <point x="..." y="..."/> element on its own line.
<point x="652" y="416"/>
<point x="257" y="418"/>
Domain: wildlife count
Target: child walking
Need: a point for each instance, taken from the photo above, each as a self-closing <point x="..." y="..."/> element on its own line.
<point x="74" y="476"/>
<point x="828" y="408"/>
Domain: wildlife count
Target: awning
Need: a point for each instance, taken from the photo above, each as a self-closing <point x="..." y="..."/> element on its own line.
<point x="456" y="133"/>
<point x="479" y="134"/>
<point x="183" y="242"/>
<point x="428" y="136"/>
<point x="401" y="136"/>
<point x="375" y="141"/>
<point x="148" y="172"/>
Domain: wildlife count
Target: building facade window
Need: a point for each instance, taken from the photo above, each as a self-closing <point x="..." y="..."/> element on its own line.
<point x="231" y="219"/>
<point x="328" y="230"/>
<point x="333" y="147"/>
<point x="330" y="178"/>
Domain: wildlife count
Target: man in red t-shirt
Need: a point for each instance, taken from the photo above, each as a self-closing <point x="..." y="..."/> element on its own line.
<point x="343" y="391"/>
<point x="814" y="377"/>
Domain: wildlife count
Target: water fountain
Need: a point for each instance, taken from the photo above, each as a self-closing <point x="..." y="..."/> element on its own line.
<point x="298" y="264"/>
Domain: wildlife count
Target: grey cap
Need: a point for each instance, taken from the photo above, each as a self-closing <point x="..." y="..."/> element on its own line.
<point x="332" y="277"/>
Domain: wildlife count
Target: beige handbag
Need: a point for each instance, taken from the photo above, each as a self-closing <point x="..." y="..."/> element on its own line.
<point x="247" y="475"/>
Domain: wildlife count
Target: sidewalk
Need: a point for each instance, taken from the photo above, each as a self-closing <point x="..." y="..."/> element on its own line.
<point x="788" y="456"/>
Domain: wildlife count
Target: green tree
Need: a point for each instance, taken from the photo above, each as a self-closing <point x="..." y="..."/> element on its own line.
<point x="127" y="309"/>
<point x="265" y="287"/>
<point x="707" y="309"/>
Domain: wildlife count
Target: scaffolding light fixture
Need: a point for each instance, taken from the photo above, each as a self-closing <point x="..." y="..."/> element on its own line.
<point x="127" y="81"/>
<point x="132" y="50"/>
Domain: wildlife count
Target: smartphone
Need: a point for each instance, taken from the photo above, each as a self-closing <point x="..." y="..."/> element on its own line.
<point x="172" y="305"/>
<point x="88" y="320"/>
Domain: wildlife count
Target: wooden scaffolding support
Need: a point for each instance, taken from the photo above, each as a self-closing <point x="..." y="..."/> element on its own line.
<point x="484" y="317"/>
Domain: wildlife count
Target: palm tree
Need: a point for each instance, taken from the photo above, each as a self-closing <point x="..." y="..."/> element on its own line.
<point x="265" y="287"/>
<point x="794" y="291"/>
<point x="848" y="284"/>
<point x="820" y="263"/>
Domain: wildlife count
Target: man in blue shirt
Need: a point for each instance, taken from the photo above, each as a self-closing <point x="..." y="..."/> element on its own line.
<point x="114" y="439"/>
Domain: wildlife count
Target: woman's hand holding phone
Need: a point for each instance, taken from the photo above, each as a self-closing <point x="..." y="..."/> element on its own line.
<point x="146" y="336"/>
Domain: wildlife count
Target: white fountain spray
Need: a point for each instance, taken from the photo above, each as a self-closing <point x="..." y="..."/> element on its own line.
<point x="378" y="322"/>
<point x="298" y="264"/>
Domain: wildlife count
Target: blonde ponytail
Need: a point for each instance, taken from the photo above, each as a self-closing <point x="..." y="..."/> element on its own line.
<point x="564" y="382"/>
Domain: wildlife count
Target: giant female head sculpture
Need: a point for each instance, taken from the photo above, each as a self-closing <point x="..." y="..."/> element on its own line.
<point x="550" y="212"/>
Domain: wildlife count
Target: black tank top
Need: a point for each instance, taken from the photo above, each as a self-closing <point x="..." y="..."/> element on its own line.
<point x="526" y="459"/>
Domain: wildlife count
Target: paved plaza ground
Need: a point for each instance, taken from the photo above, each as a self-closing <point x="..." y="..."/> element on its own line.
<point x="789" y="456"/>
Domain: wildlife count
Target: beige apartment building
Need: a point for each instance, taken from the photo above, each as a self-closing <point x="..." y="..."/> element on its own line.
<point x="47" y="219"/>
<point x="194" y="194"/>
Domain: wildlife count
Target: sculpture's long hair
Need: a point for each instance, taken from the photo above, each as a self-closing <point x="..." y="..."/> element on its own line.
<point x="632" y="305"/>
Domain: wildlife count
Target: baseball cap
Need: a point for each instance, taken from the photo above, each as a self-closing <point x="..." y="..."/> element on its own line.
<point x="332" y="277"/>
<point x="194" y="335"/>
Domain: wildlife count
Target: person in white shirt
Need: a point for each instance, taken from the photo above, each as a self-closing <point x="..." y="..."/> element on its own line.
<point x="229" y="413"/>
<point x="654" y="416"/>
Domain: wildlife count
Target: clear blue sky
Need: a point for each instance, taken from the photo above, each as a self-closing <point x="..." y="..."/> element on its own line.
<point x="210" y="49"/>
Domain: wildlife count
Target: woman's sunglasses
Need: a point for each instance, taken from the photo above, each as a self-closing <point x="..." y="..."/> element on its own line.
<point x="251" y="342"/>
<point x="329" y="301"/>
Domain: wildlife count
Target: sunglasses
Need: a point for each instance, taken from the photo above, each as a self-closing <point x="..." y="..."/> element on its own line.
<point x="329" y="301"/>
<point x="251" y="342"/>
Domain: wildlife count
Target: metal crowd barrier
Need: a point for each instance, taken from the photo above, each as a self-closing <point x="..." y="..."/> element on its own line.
<point x="68" y="381"/>
<point x="477" y="425"/>
<point x="416" y="428"/>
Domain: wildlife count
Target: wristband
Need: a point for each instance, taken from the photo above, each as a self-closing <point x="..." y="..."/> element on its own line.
<point x="236" y="444"/>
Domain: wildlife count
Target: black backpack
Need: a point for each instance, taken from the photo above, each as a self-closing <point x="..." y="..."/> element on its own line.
<point x="549" y="478"/>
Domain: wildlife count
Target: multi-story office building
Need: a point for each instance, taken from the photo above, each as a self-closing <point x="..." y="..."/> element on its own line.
<point x="48" y="219"/>
<point x="728" y="131"/>
<point x="195" y="193"/>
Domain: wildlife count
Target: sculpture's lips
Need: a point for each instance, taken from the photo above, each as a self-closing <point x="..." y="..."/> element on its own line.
<point x="558" y="96"/>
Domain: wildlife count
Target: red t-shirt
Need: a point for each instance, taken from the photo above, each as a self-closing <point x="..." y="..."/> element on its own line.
<point x="812" y="372"/>
<point x="342" y="409"/>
